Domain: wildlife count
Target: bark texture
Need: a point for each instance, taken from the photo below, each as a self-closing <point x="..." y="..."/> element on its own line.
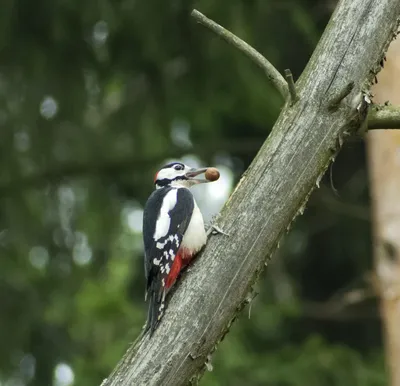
<point x="384" y="165"/>
<point x="270" y="194"/>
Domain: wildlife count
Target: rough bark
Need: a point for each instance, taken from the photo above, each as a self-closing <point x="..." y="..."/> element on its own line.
<point x="384" y="168"/>
<point x="270" y="194"/>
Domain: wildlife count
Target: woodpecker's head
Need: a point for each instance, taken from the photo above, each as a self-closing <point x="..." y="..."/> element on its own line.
<point x="179" y="175"/>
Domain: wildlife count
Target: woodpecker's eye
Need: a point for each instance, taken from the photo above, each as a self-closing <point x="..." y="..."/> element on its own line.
<point x="178" y="167"/>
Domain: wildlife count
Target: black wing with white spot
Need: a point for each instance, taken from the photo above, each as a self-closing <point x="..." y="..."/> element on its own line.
<point x="167" y="214"/>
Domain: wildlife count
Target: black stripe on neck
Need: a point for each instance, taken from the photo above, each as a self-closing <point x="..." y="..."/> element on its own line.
<point x="166" y="181"/>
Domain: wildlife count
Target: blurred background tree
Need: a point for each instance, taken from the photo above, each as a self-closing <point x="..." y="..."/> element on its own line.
<point x="95" y="95"/>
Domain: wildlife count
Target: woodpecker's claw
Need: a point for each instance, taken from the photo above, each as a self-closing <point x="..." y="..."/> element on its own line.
<point x="214" y="229"/>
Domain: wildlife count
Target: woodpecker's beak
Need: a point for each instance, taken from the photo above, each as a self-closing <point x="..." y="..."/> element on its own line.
<point x="193" y="173"/>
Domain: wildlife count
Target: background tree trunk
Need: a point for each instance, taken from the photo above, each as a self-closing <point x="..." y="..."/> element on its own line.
<point x="384" y="165"/>
<point x="273" y="191"/>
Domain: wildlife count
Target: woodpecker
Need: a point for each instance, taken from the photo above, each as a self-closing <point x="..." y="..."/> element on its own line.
<point x="173" y="232"/>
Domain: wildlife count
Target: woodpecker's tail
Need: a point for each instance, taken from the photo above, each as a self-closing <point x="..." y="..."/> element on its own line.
<point x="156" y="310"/>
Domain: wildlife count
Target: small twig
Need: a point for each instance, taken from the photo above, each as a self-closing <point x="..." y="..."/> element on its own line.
<point x="342" y="307"/>
<point x="340" y="207"/>
<point x="381" y="118"/>
<point x="384" y="117"/>
<point x="272" y="73"/>
<point x="335" y="191"/>
<point x="335" y="102"/>
<point x="292" y="88"/>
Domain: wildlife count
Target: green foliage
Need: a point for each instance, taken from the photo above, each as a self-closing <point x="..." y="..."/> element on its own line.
<point x="90" y="95"/>
<point x="313" y="362"/>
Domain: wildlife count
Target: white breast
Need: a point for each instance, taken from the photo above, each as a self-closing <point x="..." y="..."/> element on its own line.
<point x="195" y="236"/>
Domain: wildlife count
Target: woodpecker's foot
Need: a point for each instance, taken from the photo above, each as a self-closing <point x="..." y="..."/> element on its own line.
<point x="214" y="229"/>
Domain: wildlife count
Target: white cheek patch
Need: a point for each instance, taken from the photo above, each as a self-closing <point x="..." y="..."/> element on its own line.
<point x="170" y="173"/>
<point x="164" y="221"/>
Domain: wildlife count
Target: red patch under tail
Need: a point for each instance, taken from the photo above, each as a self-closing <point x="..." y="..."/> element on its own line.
<point x="182" y="258"/>
<point x="175" y="269"/>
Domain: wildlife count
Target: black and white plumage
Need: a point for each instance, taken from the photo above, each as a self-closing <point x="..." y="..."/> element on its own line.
<point x="173" y="232"/>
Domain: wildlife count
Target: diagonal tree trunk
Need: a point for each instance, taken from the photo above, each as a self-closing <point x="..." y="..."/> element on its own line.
<point x="384" y="165"/>
<point x="272" y="192"/>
